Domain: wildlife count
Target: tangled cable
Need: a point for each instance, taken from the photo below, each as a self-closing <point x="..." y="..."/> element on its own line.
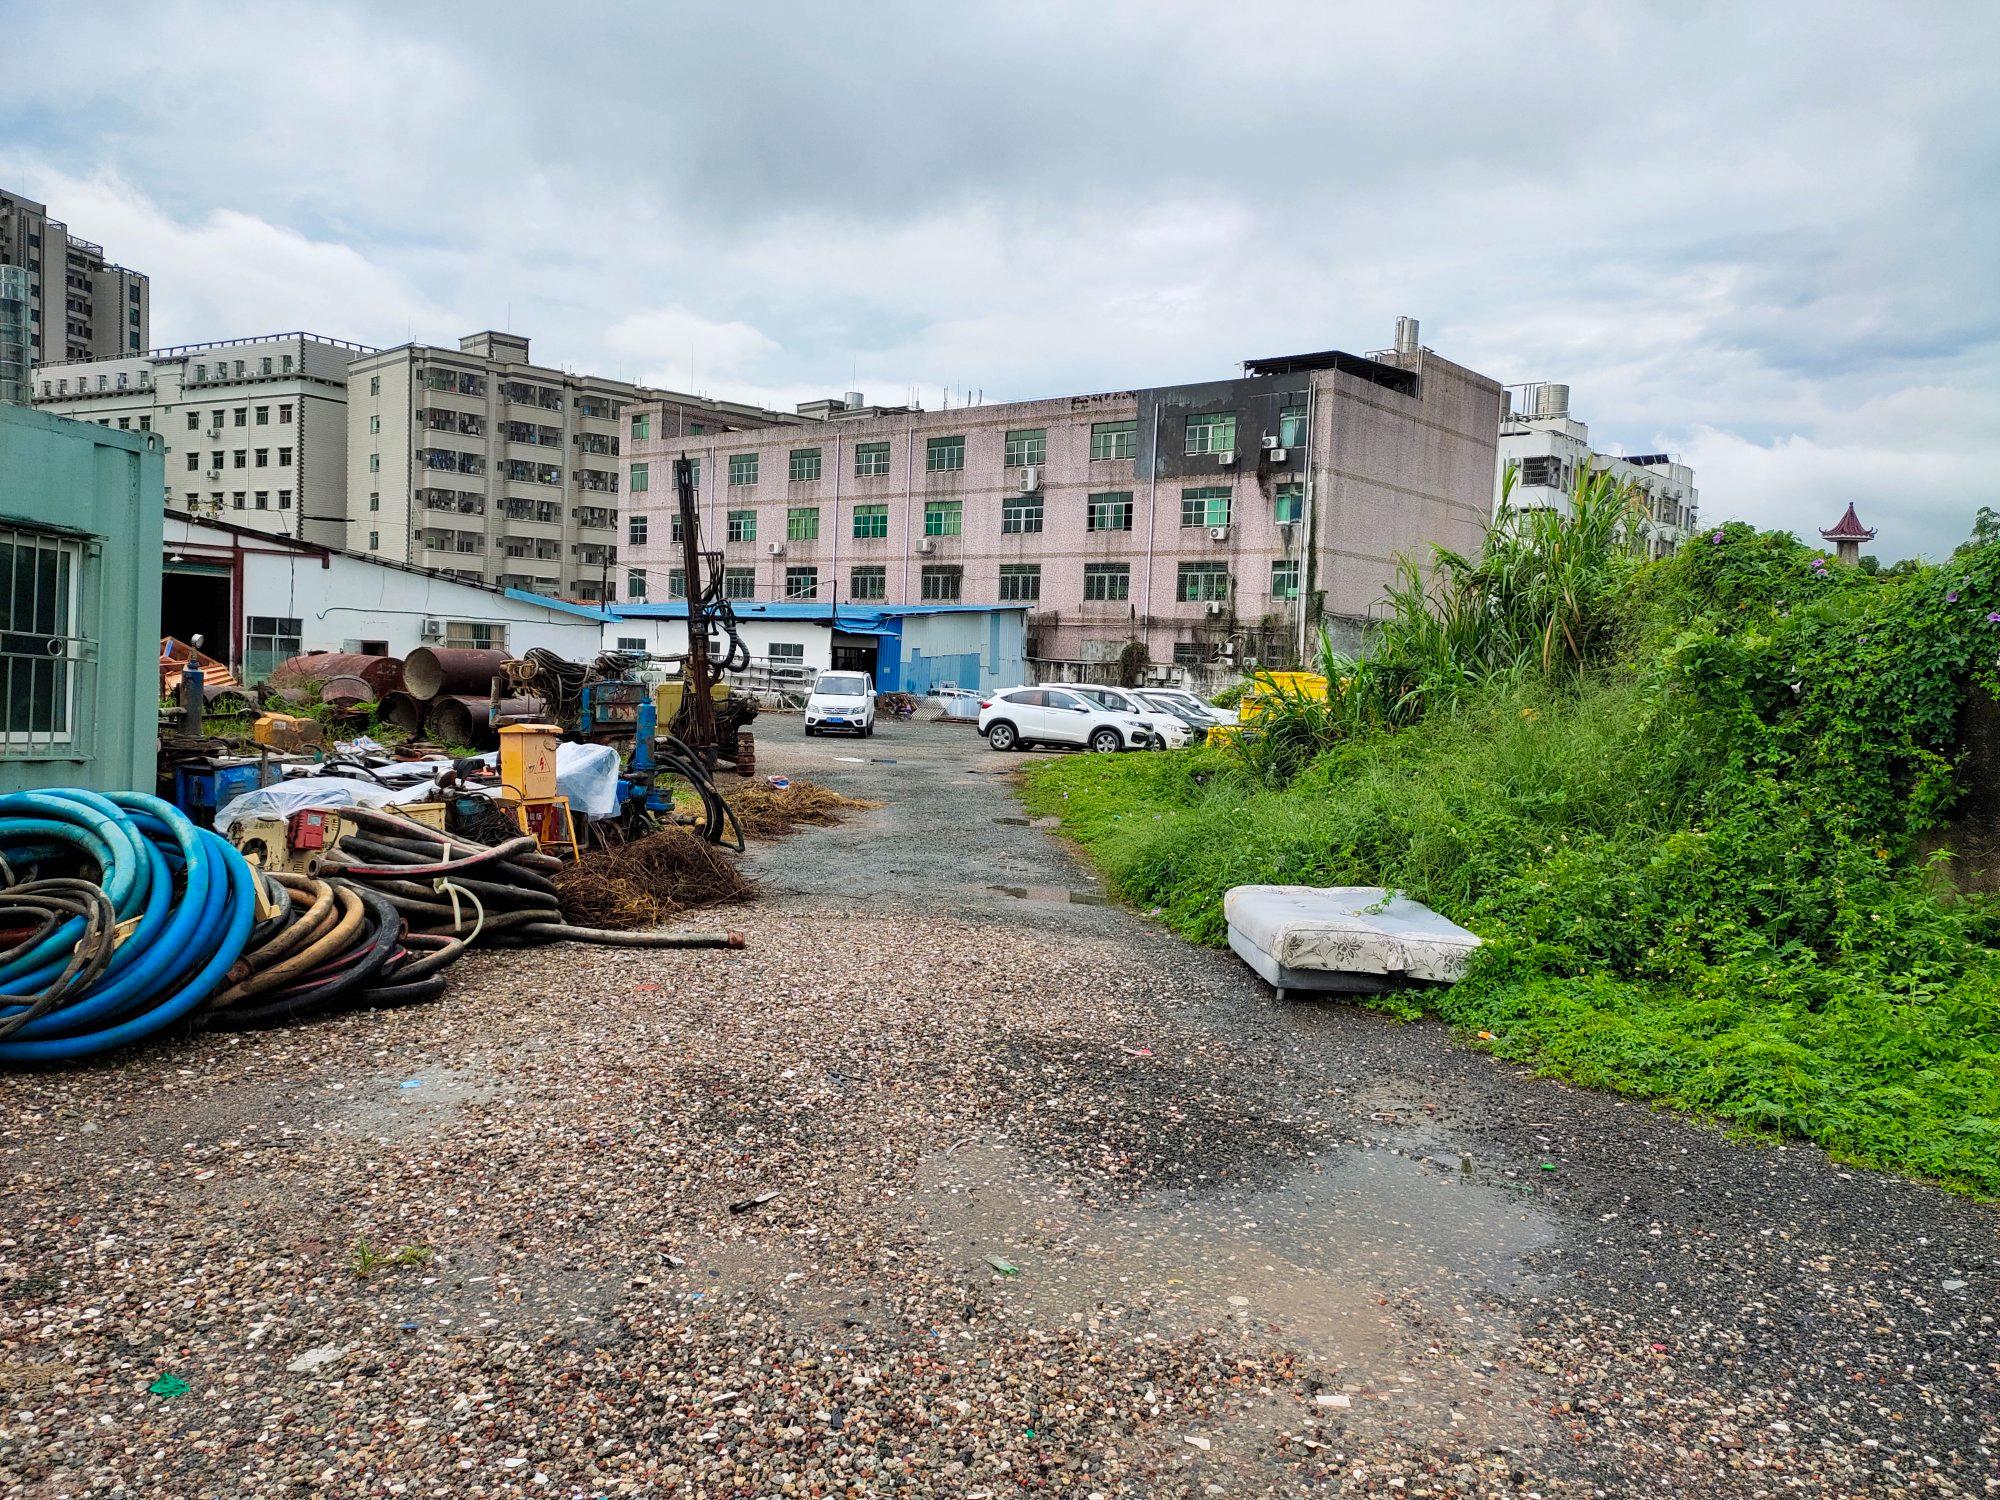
<point x="719" y="823"/>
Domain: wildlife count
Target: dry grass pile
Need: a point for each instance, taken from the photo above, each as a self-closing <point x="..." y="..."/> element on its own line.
<point x="769" y="812"/>
<point x="649" y="880"/>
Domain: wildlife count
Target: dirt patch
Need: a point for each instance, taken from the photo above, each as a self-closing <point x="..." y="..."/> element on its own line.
<point x="643" y="883"/>
<point x="769" y="812"/>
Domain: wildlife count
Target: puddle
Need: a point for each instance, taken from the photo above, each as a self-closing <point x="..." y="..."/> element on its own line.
<point x="1010" y="822"/>
<point x="1052" y="893"/>
<point x="1387" y="1277"/>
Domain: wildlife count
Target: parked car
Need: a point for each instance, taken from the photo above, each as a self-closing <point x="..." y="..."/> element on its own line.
<point x="1198" y="718"/>
<point x="1055" y="716"/>
<point x="1188" y="700"/>
<point x="1173" y="728"/>
<point x="841" y="700"/>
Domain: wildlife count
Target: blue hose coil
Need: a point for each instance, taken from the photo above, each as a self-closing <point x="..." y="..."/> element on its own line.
<point x="184" y="896"/>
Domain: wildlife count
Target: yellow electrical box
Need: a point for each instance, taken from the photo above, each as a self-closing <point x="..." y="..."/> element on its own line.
<point x="528" y="760"/>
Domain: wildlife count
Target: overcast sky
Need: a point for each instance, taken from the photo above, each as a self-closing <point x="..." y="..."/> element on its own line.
<point x="1762" y="236"/>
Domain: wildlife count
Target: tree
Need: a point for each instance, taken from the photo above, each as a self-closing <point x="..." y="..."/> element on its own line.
<point x="1985" y="531"/>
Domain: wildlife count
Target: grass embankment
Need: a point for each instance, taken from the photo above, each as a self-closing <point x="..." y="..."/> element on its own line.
<point x="1688" y="859"/>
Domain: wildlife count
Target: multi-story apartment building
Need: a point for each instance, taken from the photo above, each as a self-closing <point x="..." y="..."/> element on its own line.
<point x="1214" y="523"/>
<point x="255" y="428"/>
<point x="1547" y="449"/>
<point x="477" y="462"/>
<point x="103" y="308"/>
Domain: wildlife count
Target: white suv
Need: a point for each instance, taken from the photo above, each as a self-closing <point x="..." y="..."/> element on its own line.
<point x="841" y="700"/>
<point x="1172" y="727"/>
<point x="1055" y="716"/>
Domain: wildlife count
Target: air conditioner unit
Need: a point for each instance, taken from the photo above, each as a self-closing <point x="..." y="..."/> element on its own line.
<point x="1270" y="440"/>
<point x="1218" y="533"/>
<point x="432" y="630"/>
<point x="1279" y="455"/>
<point x="1227" y="460"/>
<point x="777" y="549"/>
<point x="215" y="432"/>
<point x="211" y="473"/>
<point x="1214" y="606"/>
<point x="927" y="544"/>
<point x="1031" y="479"/>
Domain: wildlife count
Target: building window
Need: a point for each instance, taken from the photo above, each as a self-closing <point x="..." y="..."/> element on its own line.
<point x="374" y="499"/>
<point x="805" y="464"/>
<point x="240" y="459"/>
<point x="238" y="499"/>
<point x="1190" y="654"/>
<point x="145" y="424"/>
<point x="739" y="583"/>
<point x="642" y="479"/>
<point x="1285" y="578"/>
<point x="374" y="463"/>
<point x="1541" y="470"/>
<point x="792" y="653"/>
<point x="635" y="584"/>
<point x="284" y="499"/>
<point x="1020" y="583"/>
<point x="268" y="640"/>
<point x="1107" y="582"/>
<point x="194" y="462"/>
<point x="41" y="638"/>
<point x="1113" y="440"/>
<point x="634" y="644"/>
<point x="263" y="458"/>
<point x="1212" y="432"/>
<point x="1027" y="445"/>
<point x="871" y="460"/>
<point x="285" y="457"/>
<point x="868" y="583"/>
<point x="194" y="419"/>
<point x="471" y="635"/>
<point x="1110" y="511"/>
<point x="1206" y="506"/>
<point x="635" y="530"/>
<point x="802" y="523"/>
<point x="944" y="455"/>
<point x="694" y="473"/>
<point x="1021" y="513"/>
<point x="374" y="387"/>
<point x="742" y="468"/>
<point x="374" y="541"/>
<point x="201" y="372"/>
<point x="1288" y="504"/>
<point x="944" y="517"/>
<point x="1292" y="427"/>
<point x="1200" y="581"/>
<point x="871" y="522"/>
<point x="941" y="584"/>
<point x="241" y="416"/>
<point x="675" y="531"/>
<point x="284" y="414"/>
<point x="742" y="526"/>
<point x="263" y="418"/>
<point x="374" y="424"/>
<point x="263" y="499"/>
<point x="642" y="428"/>
<point x="802" y="583"/>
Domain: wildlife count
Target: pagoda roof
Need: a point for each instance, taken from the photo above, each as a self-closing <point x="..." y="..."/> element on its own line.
<point x="1849" y="528"/>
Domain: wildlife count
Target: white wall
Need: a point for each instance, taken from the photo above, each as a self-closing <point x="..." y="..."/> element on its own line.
<point x="669" y="637"/>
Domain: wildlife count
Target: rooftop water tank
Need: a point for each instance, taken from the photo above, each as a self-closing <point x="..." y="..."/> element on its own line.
<point x="1551" y="400"/>
<point x="1406" y="335"/>
<point x="853" y="399"/>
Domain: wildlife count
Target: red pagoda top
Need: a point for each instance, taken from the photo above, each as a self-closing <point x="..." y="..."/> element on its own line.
<point x="1849" y="528"/>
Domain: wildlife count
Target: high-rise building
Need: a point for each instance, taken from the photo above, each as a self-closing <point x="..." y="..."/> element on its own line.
<point x="255" y="429"/>
<point x="16" y="352"/>
<point x="79" y="305"/>
<point x="1547" y="449"/>
<point x="1213" y="525"/>
<point x="477" y="462"/>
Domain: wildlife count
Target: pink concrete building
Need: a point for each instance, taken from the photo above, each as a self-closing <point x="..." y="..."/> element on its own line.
<point x="1216" y="524"/>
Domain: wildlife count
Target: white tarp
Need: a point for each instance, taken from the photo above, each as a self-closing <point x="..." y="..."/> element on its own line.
<point x="284" y="798"/>
<point x="1354" y="930"/>
<point x="587" y="775"/>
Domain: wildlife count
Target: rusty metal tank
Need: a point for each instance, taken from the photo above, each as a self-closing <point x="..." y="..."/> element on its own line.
<point x="431" y="670"/>
<point x="466" y="719"/>
<point x="400" y="709"/>
<point x="384" y="674"/>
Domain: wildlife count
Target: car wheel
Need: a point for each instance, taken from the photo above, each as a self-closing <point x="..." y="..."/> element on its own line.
<point x="1106" y="741"/>
<point x="868" y="730"/>
<point x="1001" y="735"/>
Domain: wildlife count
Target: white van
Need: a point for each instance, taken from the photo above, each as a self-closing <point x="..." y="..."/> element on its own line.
<point x="841" y="700"/>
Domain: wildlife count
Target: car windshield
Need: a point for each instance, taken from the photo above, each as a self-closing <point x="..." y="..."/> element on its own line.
<point x="1174" y="706"/>
<point x="842" y="685"/>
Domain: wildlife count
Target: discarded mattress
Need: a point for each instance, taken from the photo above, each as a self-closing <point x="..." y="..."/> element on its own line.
<point x="1357" y="939"/>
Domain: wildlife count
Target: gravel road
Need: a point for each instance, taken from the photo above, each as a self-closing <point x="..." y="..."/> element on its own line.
<point x="1061" y="1206"/>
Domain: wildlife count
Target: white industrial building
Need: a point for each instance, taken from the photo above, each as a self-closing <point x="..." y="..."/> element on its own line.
<point x="1548" y="449"/>
<point x="255" y="428"/>
<point x="256" y="599"/>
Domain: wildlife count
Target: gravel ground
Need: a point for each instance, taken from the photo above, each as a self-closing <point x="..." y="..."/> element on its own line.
<point x="1062" y="1205"/>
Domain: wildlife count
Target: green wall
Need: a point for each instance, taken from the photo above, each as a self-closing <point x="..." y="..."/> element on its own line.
<point x="90" y="497"/>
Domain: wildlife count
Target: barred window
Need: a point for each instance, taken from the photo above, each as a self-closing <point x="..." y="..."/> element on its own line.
<point x="1020" y="583"/>
<point x="1107" y="582"/>
<point x="802" y="583"/>
<point x="1113" y="440"/>
<point x="1200" y="581"/>
<point x="942" y="585"/>
<point x="1021" y="513"/>
<point x="1110" y="511"/>
<point x="868" y="583"/>
<point x="739" y="583"/>
<point x="268" y="640"/>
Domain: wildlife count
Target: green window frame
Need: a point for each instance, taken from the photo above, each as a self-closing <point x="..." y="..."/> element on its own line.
<point x="1109" y="511"/>
<point x="944" y="517"/>
<point x="1288" y="503"/>
<point x="642" y="479"/>
<point x="802" y="523"/>
<point x="1285" y="578"/>
<point x="1021" y="514"/>
<point x="1020" y="583"/>
<point x="871" y="460"/>
<point x="742" y="468"/>
<point x="1107" y="583"/>
<point x="642" y="428"/>
<point x="941" y="583"/>
<point x="944" y="455"/>
<point x="1212" y="432"/>
<point x="802" y="583"/>
<point x="694" y="474"/>
<point x="868" y="582"/>
<point x="741" y="526"/>
<point x="1110" y="440"/>
<point x="739" y="583"/>
<point x="1199" y="582"/>
<point x="1291" y="427"/>
<point x="871" y="522"/>
<point x="1205" y="505"/>
<point x="1026" y="445"/>
<point x="805" y="464"/>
